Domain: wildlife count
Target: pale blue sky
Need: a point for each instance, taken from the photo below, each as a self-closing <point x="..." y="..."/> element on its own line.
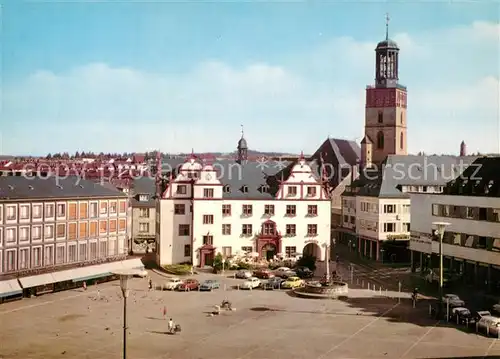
<point x="138" y="76"/>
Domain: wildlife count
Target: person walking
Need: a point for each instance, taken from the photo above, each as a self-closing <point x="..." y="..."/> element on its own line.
<point x="164" y="312"/>
<point x="170" y="326"/>
<point x="150" y="284"/>
<point x="84" y="285"/>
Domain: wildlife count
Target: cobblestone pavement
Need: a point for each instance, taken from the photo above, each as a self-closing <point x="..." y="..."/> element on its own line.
<point x="76" y="324"/>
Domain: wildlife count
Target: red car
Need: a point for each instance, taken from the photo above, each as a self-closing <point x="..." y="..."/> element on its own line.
<point x="263" y="273"/>
<point x="189" y="284"/>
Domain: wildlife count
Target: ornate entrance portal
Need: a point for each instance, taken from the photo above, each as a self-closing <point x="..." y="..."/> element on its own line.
<point x="268" y="251"/>
<point x="268" y="241"/>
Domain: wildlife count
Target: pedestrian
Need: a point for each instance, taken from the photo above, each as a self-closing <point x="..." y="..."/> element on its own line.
<point x="150" y="284"/>
<point x="164" y="312"/>
<point x="170" y="325"/>
<point x="84" y="285"/>
<point x="192" y="270"/>
<point x="98" y="294"/>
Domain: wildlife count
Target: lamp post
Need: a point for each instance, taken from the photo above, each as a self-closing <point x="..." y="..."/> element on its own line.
<point x="327" y="261"/>
<point x="440" y="229"/>
<point x="223" y="264"/>
<point x="125" y="276"/>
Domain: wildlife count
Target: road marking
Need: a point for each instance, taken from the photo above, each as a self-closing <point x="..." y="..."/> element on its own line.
<point x="357" y="332"/>
<point x="490" y="347"/>
<point x="419" y="339"/>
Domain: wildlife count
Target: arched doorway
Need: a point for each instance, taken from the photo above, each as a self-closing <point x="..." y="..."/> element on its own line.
<point x="268" y="251"/>
<point x="312" y="249"/>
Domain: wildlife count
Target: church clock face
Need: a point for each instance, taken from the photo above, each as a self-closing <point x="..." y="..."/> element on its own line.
<point x="208" y="177"/>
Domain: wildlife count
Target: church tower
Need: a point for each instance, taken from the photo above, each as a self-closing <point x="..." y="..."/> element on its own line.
<point x="385" y="112"/>
<point x="242" y="149"/>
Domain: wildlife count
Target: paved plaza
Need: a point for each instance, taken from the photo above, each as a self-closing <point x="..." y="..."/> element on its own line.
<point x="76" y="324"/>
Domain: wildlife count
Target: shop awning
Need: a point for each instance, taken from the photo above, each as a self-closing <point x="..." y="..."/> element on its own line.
<point x="36" y="280"/>
<point x="10" y="287"/>
<point x="91" y="272"/>
<point x="134" y="263"/>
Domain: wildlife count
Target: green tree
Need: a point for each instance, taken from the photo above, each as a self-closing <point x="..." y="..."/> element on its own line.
<point x="307" y="261"/>
<point x="217" y="264"/>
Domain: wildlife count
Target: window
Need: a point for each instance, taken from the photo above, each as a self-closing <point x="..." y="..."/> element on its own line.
<point x="143" y="227"/>
<point x="292" y="190"/>
<point x="61" y="210"/>
<point x="61" y="231"/>
<point x="36" y="233"/>
<point x="11" y="261"/>
<point x="36" y="257"/>
<point x="470" y="213"/>
<point x="178" y="209"/>
<point x="103" y="208"/>
<point x="49" y="231"/>
<point x="346" y="219"/>
<point x="84" y="211"/>
<point x="123" y="207"/>
<point x="424" y="188"/>
<point x="72" y="211"/>
<point x="208" y="240"/>
<point x="60" y="254"/>
<point x="37" y="211"/>
<point x="49" y="210"/>
<point x="312" y="210"/>
<point x="291" y="230"/>
<point x="226" y="229"/>
<point x="93" y="229"/>
<point x="93" y="251"/>
<point x="246" y="229"/>
<point x="10" y="235"/>
<point x="82" y="252"/>
<point x="291" y="210"/>
<point x="72" y="231"/>
<point x="103" y="249"/>
<point x="227" y="189"/>
<point x="269" y="209"/>
<point x="24" y="258"/>
<point x="11" y="213"/>
<point x="49" y="255"/>
<point x="112" y="225"/>
<point x="144" y="212"/>
<point x="24" y="212"/>
<point x="226" y="251"/>
<point x="187" y="250"/>
<point x="143" y="198"/>
<point x="113" y="207"/>
<point x="312" y="229"/>
<point x="401" y="119"/>
<point x="226" y="210"/>
<point x="208" y="219"/>
<point x="181" y="189"/>
<point x="380" y="117"/>
<point x="93" y="210"/>
<point x="389" y="208"/>
<point x="290" y="251"/>
<point x="496" y="245"/>
<point x="184" y="230"/>
<point x="380" y="140"/>
<point x="122" y="225"/>
<point x="244" y="189"/>
<point x="71" y="253"/>
<point x="406" y="227"/>
<point x="401" y="137"/>
<point x="246" y="249"/>
<point x="435" y="209"/>
<point x="24" y="233"/>
<point x="311" y="191"/>
<point x="103" y="227"/>
<point x="389" y="227"/>
<point x="208" y="193"/>
<point x="112" y="247"/>
<point x="406" y="208"/>
<point x="268" y="228"/>
<point x="247" y="209"/>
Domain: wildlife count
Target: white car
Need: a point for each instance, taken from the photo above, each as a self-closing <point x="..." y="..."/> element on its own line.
<point x="284" y="272"/>
<point x="453" y="300"/>
<point x="172" y="283"/>
<point x="251" y="283"/>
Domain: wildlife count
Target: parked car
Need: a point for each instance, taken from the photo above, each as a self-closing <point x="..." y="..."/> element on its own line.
<point x="460" y="314"/>
<point x="243" y="274"/>
<point x="273" y="283"/>
<point x="250" y="283"/>
<point x="478" y="315"/>
<point x="292" y="282"/>
<point x="188" y="284"/>
<point x="172" y="283"/>
<point x="453" y="300"/>
<point x="209" y="284"/>
<point x="489" y="325"/>
<point x="263" y="273"/>
<point x="284" y="272"/>
<point x="304" y="272"/>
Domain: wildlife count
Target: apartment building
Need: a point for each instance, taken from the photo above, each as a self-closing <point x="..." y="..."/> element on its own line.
<point x="376" y="207"/>
<point x="471" y="243"/>
<point x="143" y="204"/>
<point x="240" y="206"/>
<point x="57" y="232"/>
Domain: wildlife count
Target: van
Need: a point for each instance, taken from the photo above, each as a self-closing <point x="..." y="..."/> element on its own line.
<point x="490" y="325"/>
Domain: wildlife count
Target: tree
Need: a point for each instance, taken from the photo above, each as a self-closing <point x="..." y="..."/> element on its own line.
<point x="217" y="264"/>
<point x="49" y="156"/>
<point x="307" y="261"/>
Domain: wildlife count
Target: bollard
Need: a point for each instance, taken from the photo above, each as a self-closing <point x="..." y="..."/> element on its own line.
<point x="368" y="285"/>
<point x="487" y="330"/>
<point x="467" y="323"/>
<point x="430" y="310"/>
<point x="458" y="322"/>
<point x="477" y="327"/>
<point x="238" y="286"/>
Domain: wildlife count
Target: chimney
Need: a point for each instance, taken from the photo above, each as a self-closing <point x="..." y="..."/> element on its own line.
<point x="463" y="149"/>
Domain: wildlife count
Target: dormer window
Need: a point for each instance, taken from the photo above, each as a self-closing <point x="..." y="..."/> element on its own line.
<point x="227" y="189"/>
<point x="143" y="197"/>
<point x="264" y="189"/>
<point x="292" y="190"/>
<point x="244" y="189"/>
<point x="380" y="117"/>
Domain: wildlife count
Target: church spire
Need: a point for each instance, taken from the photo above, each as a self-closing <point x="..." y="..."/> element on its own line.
<point x="242" y="148"/>
<point x="387" y="19"/>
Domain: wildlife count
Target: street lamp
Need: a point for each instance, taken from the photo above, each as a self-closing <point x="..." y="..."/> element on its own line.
<point x="327" y="261"/>
<point x="440" y="229"/>
<point x="125" y="275"/>
<point x="223" y="264"/>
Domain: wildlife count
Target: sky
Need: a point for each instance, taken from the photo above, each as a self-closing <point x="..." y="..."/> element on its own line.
<point x="120" y="76"/>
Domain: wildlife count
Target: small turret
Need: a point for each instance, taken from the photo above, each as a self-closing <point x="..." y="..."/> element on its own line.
<point x="463" y="149"/>
<point x="242" y="149"/>
<point x="366" y="153"/>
